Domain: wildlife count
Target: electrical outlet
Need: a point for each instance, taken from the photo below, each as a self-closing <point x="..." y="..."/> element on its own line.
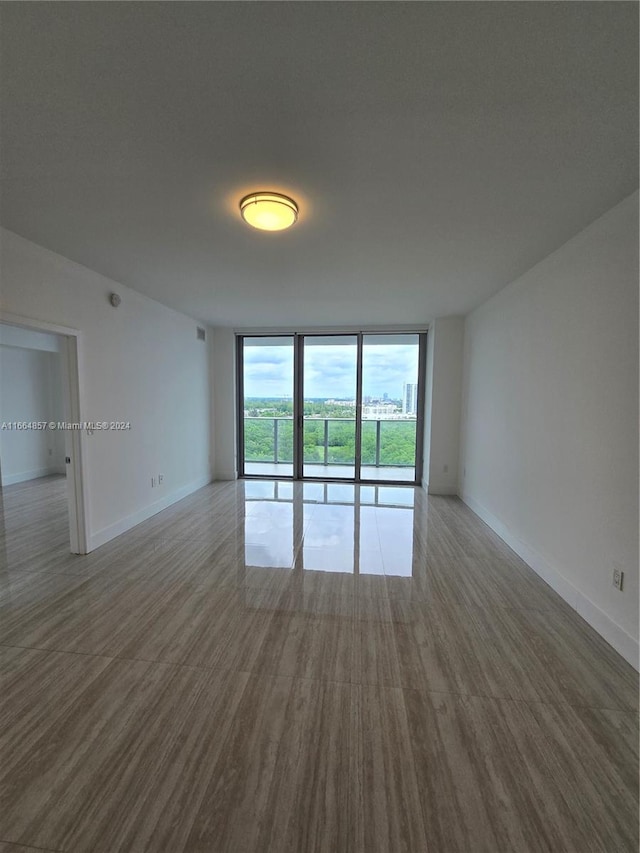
<point x="618" y="578"/>
<point x="153" y="482"/>
<point x="160" y="479"/>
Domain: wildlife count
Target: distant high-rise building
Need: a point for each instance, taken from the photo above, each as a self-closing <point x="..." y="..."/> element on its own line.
<point x="410" y="398"/>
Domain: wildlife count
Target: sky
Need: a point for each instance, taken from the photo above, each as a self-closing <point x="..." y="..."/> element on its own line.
<point x="330" y="371"/>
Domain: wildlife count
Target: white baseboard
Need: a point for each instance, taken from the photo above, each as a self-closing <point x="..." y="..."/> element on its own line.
<point x="435" y="489"/>
<point x="609" y="630"/>
<point x="225" y="475"/>
<point x="10" y="479"/>
<point x="117" y="528"/>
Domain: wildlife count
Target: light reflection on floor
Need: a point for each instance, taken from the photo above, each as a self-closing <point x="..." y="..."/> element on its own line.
<point x="329" y="527"/>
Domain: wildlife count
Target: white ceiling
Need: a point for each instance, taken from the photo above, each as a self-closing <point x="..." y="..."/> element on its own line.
<point x="437" y="150"/>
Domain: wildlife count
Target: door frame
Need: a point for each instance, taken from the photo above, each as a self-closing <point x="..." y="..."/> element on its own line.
<point x="298" y="389"/>
<point x="75" y="439"/>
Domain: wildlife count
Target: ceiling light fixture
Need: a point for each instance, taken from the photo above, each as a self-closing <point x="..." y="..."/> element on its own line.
<point x="269" y="211"/>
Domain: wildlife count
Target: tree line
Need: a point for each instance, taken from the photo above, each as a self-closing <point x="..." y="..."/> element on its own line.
<point x="397" y="441"/>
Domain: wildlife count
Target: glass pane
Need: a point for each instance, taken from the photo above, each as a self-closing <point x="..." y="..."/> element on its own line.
<point x="389" y="406"/>
<point x="329" y="405"/>
<point x="268" y="405"/>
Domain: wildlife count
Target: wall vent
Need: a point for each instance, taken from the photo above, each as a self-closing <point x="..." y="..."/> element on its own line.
<point x="200" y="333"/>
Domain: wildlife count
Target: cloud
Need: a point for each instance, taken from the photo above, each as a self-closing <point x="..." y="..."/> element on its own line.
<point x="330" y="371"/>
<point x="270" y="355"/>
<point x="268" y="371"/>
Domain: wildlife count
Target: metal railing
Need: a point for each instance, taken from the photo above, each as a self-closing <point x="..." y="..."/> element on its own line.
<point x="275" y="444"/>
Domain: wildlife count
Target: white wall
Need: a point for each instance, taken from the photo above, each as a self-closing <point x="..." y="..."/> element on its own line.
<point x="428" y="406"/>
<point x="442" y="405"/>
<point x="224" y="404"/>
<point x="30" y="390"/>
<point x="549" y="448"/>
<point x="141" y="363"/>
<point x="56" y="388"/>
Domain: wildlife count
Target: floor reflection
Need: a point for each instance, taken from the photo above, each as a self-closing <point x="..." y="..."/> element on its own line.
<point x="329" y="527"/>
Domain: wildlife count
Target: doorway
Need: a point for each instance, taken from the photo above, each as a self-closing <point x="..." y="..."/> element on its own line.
<point x="342" y="406"/>
<point x="42" y="439"/>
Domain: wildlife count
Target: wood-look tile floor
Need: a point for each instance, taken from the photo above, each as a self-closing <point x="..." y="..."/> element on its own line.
<point x="279" y="667"/>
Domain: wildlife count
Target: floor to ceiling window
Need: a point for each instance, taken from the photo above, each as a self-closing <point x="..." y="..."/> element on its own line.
<point x="267" y="405"/>
<point x="331" y="407"/>
<point x="390" y="374"/>
<point x="330" y="393"/>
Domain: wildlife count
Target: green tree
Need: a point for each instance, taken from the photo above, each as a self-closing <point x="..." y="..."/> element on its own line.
<point x="397" y="438"/>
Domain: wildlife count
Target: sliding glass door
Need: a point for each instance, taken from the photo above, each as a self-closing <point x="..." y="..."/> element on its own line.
<point x="266" y="404"/>
<point x="389" y="407"/>
<point x="329" y="382"/>
<point x="331" y="407"/>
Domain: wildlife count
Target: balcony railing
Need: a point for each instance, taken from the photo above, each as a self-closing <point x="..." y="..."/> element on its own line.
<point x="331" y="441"/>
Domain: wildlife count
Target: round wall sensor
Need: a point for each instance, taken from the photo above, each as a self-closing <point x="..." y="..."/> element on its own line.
<point x="115" y="300"/>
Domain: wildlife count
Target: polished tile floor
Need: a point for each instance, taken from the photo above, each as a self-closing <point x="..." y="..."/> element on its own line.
<point x="285" y="667"/>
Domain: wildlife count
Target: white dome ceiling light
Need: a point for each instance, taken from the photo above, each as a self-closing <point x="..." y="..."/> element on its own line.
<point x="269" y="211"/>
